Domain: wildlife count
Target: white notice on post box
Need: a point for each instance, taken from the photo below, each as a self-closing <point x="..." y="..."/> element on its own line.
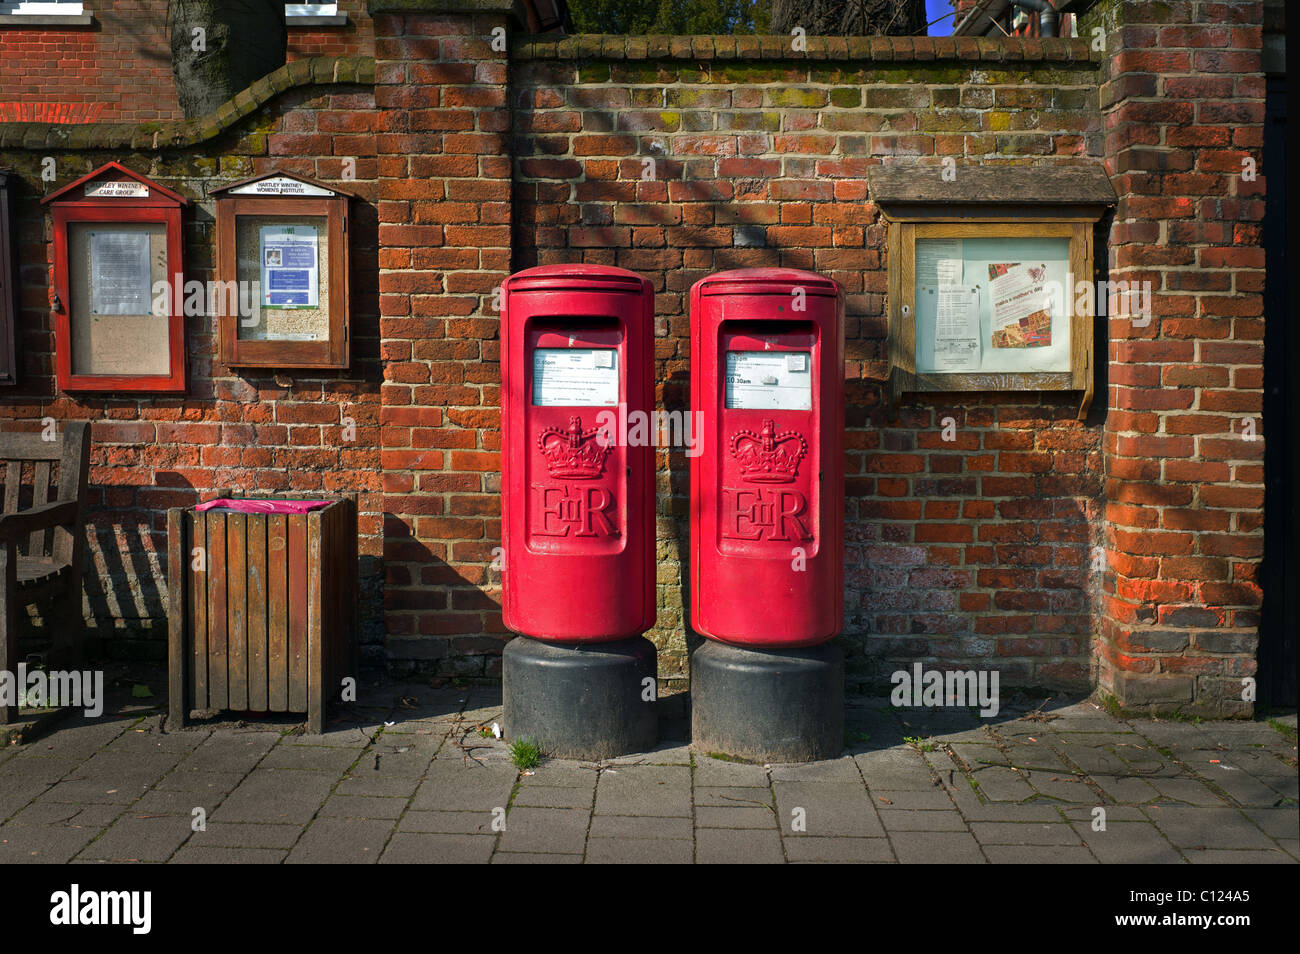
<point x="585" y="377"/>
<point x="769" y="380"/>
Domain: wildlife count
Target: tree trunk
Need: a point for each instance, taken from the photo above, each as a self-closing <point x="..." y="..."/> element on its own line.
<point x="850" y="17"/>
<point x="240" y="42"/>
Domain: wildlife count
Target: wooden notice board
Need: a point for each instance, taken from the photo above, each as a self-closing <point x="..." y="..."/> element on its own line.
<point x="118" y="283"/>
<point x="985" y="295"/>
<point x="282" y="243"/>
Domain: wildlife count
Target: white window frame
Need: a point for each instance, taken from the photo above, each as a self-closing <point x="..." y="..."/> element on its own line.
<point x="42" y="8"/>
<point x="311" y="9"/>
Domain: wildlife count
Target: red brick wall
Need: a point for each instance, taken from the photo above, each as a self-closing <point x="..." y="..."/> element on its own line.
<point x="120" y="71"/>
<point x="257" y="431"/>
<point x="1185" y="484"/>
<point x="444" y="234"/>
<point x="969" y="553"/>
<point x="975" y="553"/>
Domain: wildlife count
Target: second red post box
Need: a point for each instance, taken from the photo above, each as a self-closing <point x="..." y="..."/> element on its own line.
<point x="767" y="488"/>
<point x="577" y="504"/>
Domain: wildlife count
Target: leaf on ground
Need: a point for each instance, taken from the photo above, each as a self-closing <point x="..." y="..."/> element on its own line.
<point x="141" y="691"/>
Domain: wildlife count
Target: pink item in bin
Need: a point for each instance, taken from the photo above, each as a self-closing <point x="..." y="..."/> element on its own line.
<point x="251" y="505"/>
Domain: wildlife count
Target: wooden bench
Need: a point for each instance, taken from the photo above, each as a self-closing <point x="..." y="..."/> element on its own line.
<point x="42" y="540"/>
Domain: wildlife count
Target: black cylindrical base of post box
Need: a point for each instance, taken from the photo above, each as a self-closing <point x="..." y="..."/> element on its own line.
<point x="581" y="700"/>
<point x="784" y="705"/>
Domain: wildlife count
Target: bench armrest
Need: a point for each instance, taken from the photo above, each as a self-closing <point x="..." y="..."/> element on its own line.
<point x="45" y="517"/>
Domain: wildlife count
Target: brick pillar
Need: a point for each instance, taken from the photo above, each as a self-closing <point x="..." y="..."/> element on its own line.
<point x="444" y="244"/>
<point x="1184" y="106"/>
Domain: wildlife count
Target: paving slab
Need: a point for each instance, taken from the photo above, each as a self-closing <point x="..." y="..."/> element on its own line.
<point x="1189" y="791"/>
<point x="642" y="851"/>
<point x="42" y="844"/>
<point x="341" y="841"/>
<point x="734" y="817"/>
<point x="1207" y="827"/>
<point x="711" y="772"/>
<point x="205" y="855"/>
<point x="362" y="806"/>
<point x="1038" y="855"/>
<point x="244" y="835"/>
<point x="534" y="858"/>
<point x="43" y="811"/>
<point x="276" y="795"/>
<point x="911" y="820"/>
<point x="546" y="830"/>
<point x="1221" y="856"/>
<point x="936" y="848"/>
<point x="448" y="823"/>
<point x="452" y="786"/>
<point x="555" y="796"/>
<point x="1128" y="843"/>
<point x="737" y="847"/>
<point x="645" y="790"/>
<point x="417" y="848"/>
<point x="317" y="758"/>
<point x="841" y="770"/>
<point x="1023" y="833"/>
<point x="1280" y="823"/>
<point x="826" y="809"/>
<point x="208" y="785"/>
<point x="134" y="838"/>
<point x="730" y="797"/>
<point x="1126" y="790"/>
<point x="386" y="786"/>
<point x="645" y="827"/>
<point x="840" y="850"/>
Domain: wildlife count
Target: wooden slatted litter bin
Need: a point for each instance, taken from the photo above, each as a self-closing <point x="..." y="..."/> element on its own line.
<point x="262" y="605"/>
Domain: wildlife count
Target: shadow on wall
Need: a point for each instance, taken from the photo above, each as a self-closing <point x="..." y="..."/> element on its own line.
<point x="448" y="601"/>
<point x="966" y="554"/>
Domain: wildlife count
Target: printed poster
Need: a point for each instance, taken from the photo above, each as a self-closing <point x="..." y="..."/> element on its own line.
<point x="290" y="257"/>
<point x="1022" y="316"/>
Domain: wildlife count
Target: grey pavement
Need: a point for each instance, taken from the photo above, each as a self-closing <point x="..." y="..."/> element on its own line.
<point x="414" y="775"/>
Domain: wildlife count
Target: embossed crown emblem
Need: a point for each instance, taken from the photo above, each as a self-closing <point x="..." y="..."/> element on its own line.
<point x="768" y="457"/>
<point x="572" y="451"/>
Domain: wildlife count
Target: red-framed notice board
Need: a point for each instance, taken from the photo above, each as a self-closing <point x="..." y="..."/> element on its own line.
<point x="118" y="283"/>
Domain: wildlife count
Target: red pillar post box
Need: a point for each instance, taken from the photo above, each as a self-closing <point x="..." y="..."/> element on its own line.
<point x="577" y="503"/>
<point x="767" y="502"/>
<point x="767" y="513"/>
<point x="578" y="530"/>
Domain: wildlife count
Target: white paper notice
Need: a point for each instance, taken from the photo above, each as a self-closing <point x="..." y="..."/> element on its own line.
<point x="769" y="380"/>
<point x="119" y="273"/>
<point x="957" y="329"/>
<point x="938" y="262"/>
<point x="586" y="377"/>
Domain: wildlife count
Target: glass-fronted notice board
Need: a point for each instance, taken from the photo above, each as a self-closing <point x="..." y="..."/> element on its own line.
<point x="990" y="306"/>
